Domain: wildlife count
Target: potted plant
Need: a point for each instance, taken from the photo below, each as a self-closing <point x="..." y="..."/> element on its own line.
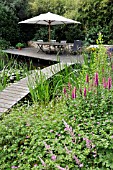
<point x="19" y="45"/>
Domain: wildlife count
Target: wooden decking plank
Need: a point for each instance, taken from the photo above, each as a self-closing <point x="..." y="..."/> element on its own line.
<point x="5" y="105"/>
<point x="3" y="110"/>
<point x="16" y="89"/>
<point x="7" y="101"/>
<point x="12" y="95"/>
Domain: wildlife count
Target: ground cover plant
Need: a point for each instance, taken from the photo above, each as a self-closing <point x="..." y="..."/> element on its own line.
<point x="72" y="131"/>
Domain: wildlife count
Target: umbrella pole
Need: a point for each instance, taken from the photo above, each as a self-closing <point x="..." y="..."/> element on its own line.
<point x="49" y="32"/>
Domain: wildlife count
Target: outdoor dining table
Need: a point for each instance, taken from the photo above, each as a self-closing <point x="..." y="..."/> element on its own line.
<point x="51" y="46"/>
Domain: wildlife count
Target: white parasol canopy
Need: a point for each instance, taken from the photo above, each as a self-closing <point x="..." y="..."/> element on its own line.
<point x="49" y="19"/>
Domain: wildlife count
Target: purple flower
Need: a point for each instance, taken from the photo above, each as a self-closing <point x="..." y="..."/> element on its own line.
<point x="88" y="143"/>
<point x="64" y="90"/>
<point x="85" y="92"/>
<point x="67" y="150"/>
<point x="74" y="93"/>
<point x="81" y="165"/>
<point x="109" y="83"/>
<point x="69" y="129"/>
<point x="112" y="136"/>
<point x="46" y="146"/>
<point x="96" y="79"/>
<point x="76" y="160"/>
<point x="53" y="157"/>
<point x="87" y="78"/>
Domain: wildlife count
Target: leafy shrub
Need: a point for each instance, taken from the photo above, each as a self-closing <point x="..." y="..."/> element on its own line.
<point x="4" y="44"/>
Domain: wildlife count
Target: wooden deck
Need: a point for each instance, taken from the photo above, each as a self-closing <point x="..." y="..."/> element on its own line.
<point x="32" y="52"/>
<point x="15" y="92"/>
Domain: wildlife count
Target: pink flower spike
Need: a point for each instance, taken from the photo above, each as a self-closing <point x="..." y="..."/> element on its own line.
<point x="96" y="79"/>
<point x="74" y="93"/>
<point x="87" y="78"/>
<point x="64" y="90"/>
<point x="85" y="92"/>
<point x="109" y="83"/>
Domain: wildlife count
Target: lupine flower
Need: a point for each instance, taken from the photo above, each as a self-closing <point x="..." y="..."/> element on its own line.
<point x="43" y="163"/>
<point x="74" y="93"/>
<point x="85" y="92"/>
<point x="96" y="79"/>
<point x="109" y="83"/>
<point x="53" y="157"/>
<point x="87" y="78"/>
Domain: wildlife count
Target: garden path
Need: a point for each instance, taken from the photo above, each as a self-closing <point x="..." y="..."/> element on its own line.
<point x="15" y="92"/>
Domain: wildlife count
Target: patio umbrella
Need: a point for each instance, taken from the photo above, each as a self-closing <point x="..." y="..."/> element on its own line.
<point x="49" y="19"/>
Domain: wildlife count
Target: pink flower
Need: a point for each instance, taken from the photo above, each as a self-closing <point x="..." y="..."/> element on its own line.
<point x="43" y="163"/>
<point x="14" y="167"/>
<point x="74" y="93"/>
<point x="109" y="83"/>
<point x="96" y="79"/>
<point x="35" y="165"/>
<point x="77" y="160"/>
<point x="53" y="157"/>
<point x="85" y="92"/>
<point x="47" y="146"/>
<point x="64" y="90"/>
<point x="87" y="78"/>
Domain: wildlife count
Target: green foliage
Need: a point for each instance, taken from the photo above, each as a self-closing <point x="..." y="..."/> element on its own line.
<point x="11" y="71"/>
<point x="19" y="45"/>
<point x="4" y="44"/>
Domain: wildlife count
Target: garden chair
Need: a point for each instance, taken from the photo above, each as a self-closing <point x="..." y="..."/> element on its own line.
<point x="76" y="46"/>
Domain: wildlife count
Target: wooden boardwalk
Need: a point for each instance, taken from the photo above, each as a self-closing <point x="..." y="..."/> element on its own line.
<point x="15" y="92"/>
